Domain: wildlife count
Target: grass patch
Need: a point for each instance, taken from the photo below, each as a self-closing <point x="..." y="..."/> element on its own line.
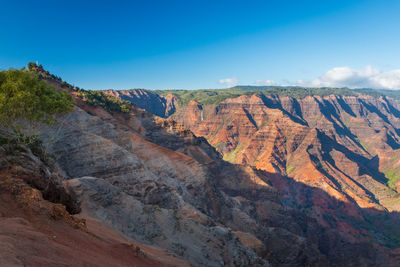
<point x="231" y="157"/>
<point x="290" y="169"/>
<point x="394" y="176"/>
<point x="391" y="201"/>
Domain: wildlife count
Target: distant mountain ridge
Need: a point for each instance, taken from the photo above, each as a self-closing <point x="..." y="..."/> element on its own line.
<point x="166" y="102"/>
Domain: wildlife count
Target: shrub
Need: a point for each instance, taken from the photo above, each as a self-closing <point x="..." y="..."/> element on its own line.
<point x="24" y="96"/>
<point x="108" y="102"/>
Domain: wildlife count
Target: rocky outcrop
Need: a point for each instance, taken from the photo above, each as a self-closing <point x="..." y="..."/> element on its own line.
<point x="18" y="162"/>
<point x="163" y="106"/>
<point x="147" y="192"/>
<point x="37" y="227"/>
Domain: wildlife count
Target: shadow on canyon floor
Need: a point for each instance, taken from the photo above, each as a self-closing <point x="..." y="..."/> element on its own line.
<point x="376" y="224"/>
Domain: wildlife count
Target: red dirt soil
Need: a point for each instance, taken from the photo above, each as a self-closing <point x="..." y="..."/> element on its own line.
<point x="36" y="232"/>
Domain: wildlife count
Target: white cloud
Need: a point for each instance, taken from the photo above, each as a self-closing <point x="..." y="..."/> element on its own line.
<point x="368" y="77"/>
<point x="267" y="82"/>
<point x="229" y="82"/>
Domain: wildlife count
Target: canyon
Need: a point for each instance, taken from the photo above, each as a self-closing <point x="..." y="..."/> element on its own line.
<point x="248" y="180"/>
<point x="334" y="157"/>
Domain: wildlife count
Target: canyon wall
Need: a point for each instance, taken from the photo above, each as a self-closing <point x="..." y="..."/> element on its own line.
<point x="154" y="181"/>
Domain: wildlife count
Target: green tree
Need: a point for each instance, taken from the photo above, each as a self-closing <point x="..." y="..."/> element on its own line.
<point x="24" y="96"/>
<point x="31" y="65"/>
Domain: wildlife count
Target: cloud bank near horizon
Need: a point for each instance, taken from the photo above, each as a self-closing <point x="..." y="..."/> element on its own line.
<point x="267" y="82"/>
<point x="368" y="77"/>
<point x="229" y="82"/>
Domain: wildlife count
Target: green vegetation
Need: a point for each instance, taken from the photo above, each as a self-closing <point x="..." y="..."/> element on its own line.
<point x="216" y="96"/>
<point x="42" y="74"/>
<point x="290" y="169"/>
<point x="231" y="157"/>
<point x="392" y="202"/>
<point x="391" y="172"/>
<point x="45" y="75"/>
<point x="204" y="96"/>
<point x="15" y="142"/>
<point x="108" y="102"/>
<point x="23" y="95"/>
<point x="95" y="98"/>
<point x="394" y="176"/>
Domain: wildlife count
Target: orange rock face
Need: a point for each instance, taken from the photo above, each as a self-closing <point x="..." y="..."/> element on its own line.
<point x="336" y="158"/>
<point x="343" y="145"/>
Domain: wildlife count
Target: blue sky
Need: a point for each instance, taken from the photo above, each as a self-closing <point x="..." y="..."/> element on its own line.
<point x="206" y="44"/>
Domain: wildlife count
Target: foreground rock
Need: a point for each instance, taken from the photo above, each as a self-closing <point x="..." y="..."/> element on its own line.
<point x="38" y="228"/>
